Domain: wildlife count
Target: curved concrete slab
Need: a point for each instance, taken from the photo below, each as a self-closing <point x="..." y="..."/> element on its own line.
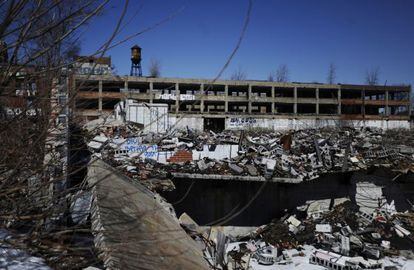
<point x="132" y="230"/>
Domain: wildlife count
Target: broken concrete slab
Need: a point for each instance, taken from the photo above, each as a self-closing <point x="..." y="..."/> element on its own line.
<point x="235" y="168"/>
<point x="140" y="219"/>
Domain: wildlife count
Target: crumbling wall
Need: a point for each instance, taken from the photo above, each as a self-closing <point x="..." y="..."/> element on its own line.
<point x="283" y="124"/>
<point x="211" y="200"/>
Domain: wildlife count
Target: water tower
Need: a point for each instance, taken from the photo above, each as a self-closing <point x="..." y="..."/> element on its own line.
<point x="136" y="69"/>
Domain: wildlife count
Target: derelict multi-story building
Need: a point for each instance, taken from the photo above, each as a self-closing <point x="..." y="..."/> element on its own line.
<point x="232" y="104"/>
<point x="226" y="104"/>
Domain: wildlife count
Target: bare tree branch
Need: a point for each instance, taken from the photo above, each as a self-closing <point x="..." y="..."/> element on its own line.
<point x="372" y="76"/>
<point x="238" y="75"/>
<point x="282" y="73"/>
<point x="155" y="68"/>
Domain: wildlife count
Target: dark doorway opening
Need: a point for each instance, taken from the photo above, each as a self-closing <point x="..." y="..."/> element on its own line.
<point x="214" y="124"/>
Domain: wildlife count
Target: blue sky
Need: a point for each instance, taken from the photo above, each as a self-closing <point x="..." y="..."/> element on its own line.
<point x="306" y="35"/>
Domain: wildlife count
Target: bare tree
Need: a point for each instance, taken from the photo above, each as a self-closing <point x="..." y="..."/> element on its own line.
<point x="155" y="68"/>
<point x="238" y="75"/>
<point x="282" y="73"/>
<point x="42" y="38"/>
<point x="331" y="74"/>
<point x="271" y="77"/>
<point x="372" y="76"/>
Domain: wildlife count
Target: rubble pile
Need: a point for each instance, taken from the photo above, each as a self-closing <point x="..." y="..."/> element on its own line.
<point x="366" y="232"/>
<point x="298" y="155"/>
<point x="339" y="238"/>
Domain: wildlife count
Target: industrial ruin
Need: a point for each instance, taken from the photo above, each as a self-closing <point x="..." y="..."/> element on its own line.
<point x="241" y="104"/>
<point x="231" y="174"/>
<point x="259" y="175"/>
<point x="210" y="143"/>
<point x="107" y="171"/>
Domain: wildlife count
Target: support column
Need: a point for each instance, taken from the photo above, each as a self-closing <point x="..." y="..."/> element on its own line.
<point x="125" y="86"/>
<point x="295" y="100"/>
<point x="100" y="96"/>
<point x="273" y="100"/>
<point x="387" y="108"/>
<point x="363" y="104"/>
<point x="177" y="98"/>
<point x="126" y="92"/>
<point x="339" y="101"/>
<point x="249" y="96"/>
<point x="226" y="98"/>
<point x="317" y="100"/>
<point x="202" y="98"/>
<point x="151" y="92"/>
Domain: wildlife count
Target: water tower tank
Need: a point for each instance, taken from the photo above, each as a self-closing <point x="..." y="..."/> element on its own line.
<point x="136" y="54"/>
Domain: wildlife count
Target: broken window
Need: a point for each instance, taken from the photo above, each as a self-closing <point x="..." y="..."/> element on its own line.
<point x="214" y="124"/>
<point x="328" y="93"/>
<point x="306" y="93"/>
<point x="284" y="92"/>
<point x="283" y="108"/>
<point x="306" y="108"/>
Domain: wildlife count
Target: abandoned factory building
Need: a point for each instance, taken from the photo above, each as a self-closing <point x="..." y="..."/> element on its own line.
<point x="225" y="104"/>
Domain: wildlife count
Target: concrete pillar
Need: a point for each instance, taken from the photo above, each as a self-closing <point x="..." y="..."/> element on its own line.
<point x="100" y="95"/>
<point x="295" y="100"/>
<point x="177" y="98"/>
<point x="339" y="101"/>
<point x="151" y="92"/>
<point x="363" y="103"/>
<point x="387" y="108"/>
<point x="202" y="98"/>
<point x="126" y="86"/>
<point x="226" y="98"/>
<point x="249" y="96"/>
<point x="317" y="100"/>
<point x="273" y="100"/>
<point x="126" y="94"/>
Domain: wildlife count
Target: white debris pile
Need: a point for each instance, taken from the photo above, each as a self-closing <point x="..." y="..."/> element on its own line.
<point x="338" y="237"/>
<point x="300" y="155"/>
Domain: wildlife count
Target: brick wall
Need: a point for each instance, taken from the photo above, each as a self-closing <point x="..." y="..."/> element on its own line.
<point x="181" y="156"/>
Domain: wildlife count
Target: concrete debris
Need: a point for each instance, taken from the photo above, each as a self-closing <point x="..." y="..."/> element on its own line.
<point x="301" y="155"/>
<point x="368" y="197"/>
<point x="252" y="170"/>
<point x="323" y="228"/>
<point x="236" y="169"/>
<point x="338" y="240"/>
<point x="338" y="233"/>
<point x="293" y="221"/>
<point x="186" y="221"/>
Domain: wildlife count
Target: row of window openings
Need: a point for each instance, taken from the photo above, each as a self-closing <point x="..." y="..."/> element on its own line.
<point x="231" y="93"/>
<point x="322" y="94"/>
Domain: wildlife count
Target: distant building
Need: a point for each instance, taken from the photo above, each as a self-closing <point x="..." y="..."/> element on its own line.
<point x="90" y="65"/>
<point x="21" y="88"/>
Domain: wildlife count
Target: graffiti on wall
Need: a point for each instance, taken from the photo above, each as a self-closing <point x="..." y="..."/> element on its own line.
<point x="174" y="97"/>
<point x="242" y="122"/>
<point x="134" y="145"/>
<point x="93" y="69"/>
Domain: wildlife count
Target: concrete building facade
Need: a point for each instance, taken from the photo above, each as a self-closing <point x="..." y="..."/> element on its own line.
<point x="225" y="104"/>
